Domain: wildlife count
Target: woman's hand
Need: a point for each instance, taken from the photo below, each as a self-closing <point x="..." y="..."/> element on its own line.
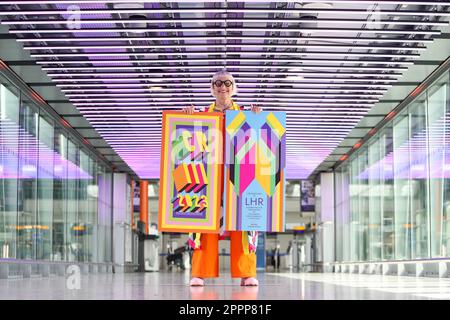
<point x="256" y="109"/>
<point x="189" y="110"/>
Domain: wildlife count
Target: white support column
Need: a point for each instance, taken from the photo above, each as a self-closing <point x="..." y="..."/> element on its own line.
<point x="325" y="217"/>
<point x="120" y="220"/>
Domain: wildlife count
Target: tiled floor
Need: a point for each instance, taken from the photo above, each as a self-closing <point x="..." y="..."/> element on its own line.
<point x="273" y="286"/>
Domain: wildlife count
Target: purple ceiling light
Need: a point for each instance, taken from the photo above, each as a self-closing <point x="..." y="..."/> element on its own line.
<point x="25" y="157"/>
<point x="122" y="72"/>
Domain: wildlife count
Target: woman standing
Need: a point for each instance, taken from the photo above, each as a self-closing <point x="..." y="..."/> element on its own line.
<point x="205" y="260"/>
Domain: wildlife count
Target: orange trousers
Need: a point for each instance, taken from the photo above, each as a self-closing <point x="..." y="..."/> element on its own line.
<point x="205" y="261"/>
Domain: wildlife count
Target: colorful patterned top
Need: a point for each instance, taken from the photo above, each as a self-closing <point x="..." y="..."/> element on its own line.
<point x="250" y="242"/>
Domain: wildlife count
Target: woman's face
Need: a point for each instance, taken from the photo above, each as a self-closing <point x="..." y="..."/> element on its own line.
<point x="223" y="92"/>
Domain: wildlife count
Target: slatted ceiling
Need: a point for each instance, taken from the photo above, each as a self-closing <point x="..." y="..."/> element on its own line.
<point x="326" y="80"/>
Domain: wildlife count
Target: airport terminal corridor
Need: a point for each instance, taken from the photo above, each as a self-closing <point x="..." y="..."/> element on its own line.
<point x="298" y="149"/>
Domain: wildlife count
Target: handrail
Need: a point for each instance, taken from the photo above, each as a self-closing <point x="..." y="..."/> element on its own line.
<point x="29" y="261"/>
<point x="393" y="261"/>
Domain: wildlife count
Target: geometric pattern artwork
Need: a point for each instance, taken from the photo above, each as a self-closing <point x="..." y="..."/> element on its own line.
<point x="191" y="180"/>
<point x="254" y="171"/>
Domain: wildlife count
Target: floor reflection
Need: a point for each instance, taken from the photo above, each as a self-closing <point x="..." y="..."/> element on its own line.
<point x="245" y="293"/>
<point x="211" y="293"/>
<point x="203" y="293"/>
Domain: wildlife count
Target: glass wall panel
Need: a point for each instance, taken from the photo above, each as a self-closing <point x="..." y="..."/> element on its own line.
<point x="104" y="216"/>
<point x="27" y="183"/>
<point x="342" y="214"/>
<point x="338" y="214"/>
<point x="363" y="231"/>
<point x="374" y="192"/>
<point x="103" y="197"/>
<point x="82" y="227"/>
<point x="9" y="169"/>
<point x="402" y="187"/>
<point x="104" y="213"/>
<point x="92" y="196"/>
<point x="60" y="194"/>
<point x="345" y="213"/>
<point x="44" y="222"/>
<point x="354" y="211"/>
<point x="55" y="195"/>
<point x="387" y="201"/>
<point x="399" y="186"/>
<point x="418" y="146"/>
<point x="439" y="157"/>
<point x="72" y="201"/>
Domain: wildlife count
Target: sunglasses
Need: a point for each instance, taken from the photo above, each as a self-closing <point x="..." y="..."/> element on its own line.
<point x="219" y="83"/>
